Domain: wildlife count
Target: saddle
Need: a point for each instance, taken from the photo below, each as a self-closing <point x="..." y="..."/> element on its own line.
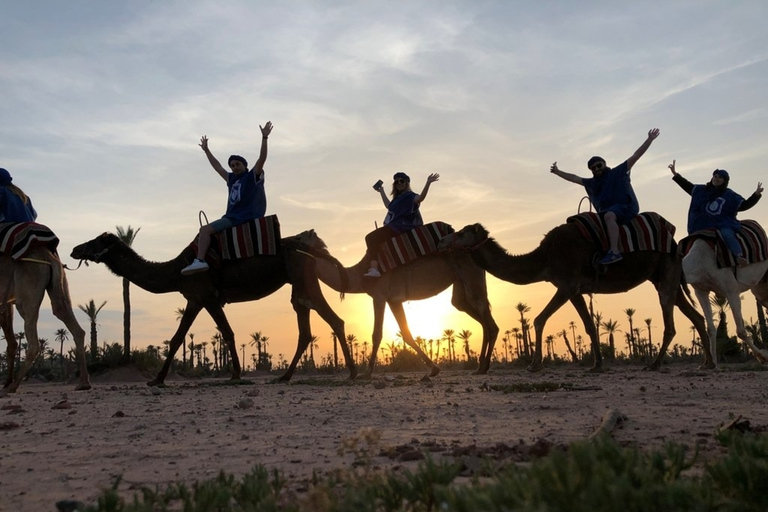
<point x="648" y="231"/>
<point x="16" y="239"/>
<point x="257" y="237"/>
<point x="411" y="245"/>
<point x="751" y="237"/>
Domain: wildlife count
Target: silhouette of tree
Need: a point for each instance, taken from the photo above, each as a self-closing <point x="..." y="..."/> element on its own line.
<point x="127" y="236"/>
<point x="92" y="312"/>
<point x="523" y="308"/>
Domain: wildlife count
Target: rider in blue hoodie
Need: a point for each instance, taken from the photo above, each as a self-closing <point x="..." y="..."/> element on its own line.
<point x="15" y="206"/>
<point x="714" y="205"/>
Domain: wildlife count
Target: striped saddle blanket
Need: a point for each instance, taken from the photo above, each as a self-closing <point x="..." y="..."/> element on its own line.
<point x="257" y="237"/>
<point x="16" y="239"/>
<point x="411" y="245"/>
<point x="648" y="231"/>
<point x="751" y="237"/>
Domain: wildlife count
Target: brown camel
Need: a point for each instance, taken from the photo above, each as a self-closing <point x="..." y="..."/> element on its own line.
<point x="564" y="258"/>
<point x="238" y="280"/>
<point x="25" y="282"/>
<point x="420" y="279"/>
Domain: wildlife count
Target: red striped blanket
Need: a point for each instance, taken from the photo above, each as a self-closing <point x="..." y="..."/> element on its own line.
<point x="411" y="245"/>
<point x="257" y="237"/>
<point x="16" y="239"/>
<point x="751" y="237"/>
<point x="648" y="231"/>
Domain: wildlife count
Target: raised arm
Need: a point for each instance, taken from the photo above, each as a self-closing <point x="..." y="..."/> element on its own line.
<point x="384" y="197"/>
<point x="565" y="175"/>
<point x="258" y="167"/>
<point x="212" y="159"/>
<point x="652" y="134"/>
<point x="430" y="179"/>
<point x="753" y="199"/>
<point x="678" y="178"/>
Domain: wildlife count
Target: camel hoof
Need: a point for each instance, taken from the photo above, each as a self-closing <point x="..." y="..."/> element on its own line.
<point x="535" y="367"/>
<point x="364" y="376"/>
<point x="83" y="387"/>
<point x="708" y="366"/>
<point x="435" y="371"/>
<point x="596" y="369"/>
<point x="155" y="382"/>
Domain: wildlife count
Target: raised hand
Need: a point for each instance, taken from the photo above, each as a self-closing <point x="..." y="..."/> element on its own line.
<point x="204" y="143"/>
<point x="672" y="167"/>
<point x="266" y="129"/>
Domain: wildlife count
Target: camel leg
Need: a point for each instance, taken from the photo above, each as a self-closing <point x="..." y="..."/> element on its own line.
<point x="703" y="297"/>
<point x="29" y="311"/>
<point x="405" y="331"/>
<point x="227" y="334"/>
<point x="555" y="303"/>
<point x="6" y="323"/>
<point x="379" y="307"/>
<point x="61" y="304"/>
<point x="698" y="322"/>
<point x="305" y="338"/>
<point x="581" y="308"/>
<point x="475" y="304"/>
<point x="191" y="310"/>
<point x="315" y="299"/>
<point x="668" y="288"/>
<point x="741" y="331"/>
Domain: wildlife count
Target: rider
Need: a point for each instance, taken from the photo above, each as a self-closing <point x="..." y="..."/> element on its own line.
<point x="247" y="199"/>
<point x="402" y="214"/>
<point x="611" y="192"/>
<point x="714" y="206"/>
<point x="15" y="205"/>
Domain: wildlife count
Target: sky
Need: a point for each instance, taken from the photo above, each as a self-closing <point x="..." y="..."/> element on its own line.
<point x="104" y="104"/>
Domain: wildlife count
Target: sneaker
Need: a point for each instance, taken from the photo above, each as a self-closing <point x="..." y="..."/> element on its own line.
<point x="194" y="267"/>
<point x="611" y="257"/>
<point x="372" y="272"/>
<point x="742" y="261"/>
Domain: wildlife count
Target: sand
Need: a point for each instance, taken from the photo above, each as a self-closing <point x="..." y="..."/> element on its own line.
<point x="58" y="444"/>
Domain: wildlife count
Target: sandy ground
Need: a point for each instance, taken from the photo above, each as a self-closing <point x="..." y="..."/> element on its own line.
<point x="58" y="444"/>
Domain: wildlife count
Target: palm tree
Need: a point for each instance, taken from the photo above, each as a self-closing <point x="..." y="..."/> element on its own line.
<point x="523" y="308"/>
<point x="549" y="340"/>
<point x="611" y="327"/>
<point x="256" y="340"/>
<point x="92" y="311"/>
<point x="597" y="318"/>
<point x="650" y="343"/>
<point x="61" y="336"/>
<point x="312" y="344"/>
<point x="448" y="336"/>
<point x="351" y="339"/>
<point x="127" y="236"/>
<point x="632" y="349"/>
<point x="242" y="345"/>
<point x="191" y="350"/>
<point x="762" y="323"/>
<point x="179" y="314"/>
<point x="518" y="348"/>
<point x="506" y="339"/>
<point x="464" y="336"/>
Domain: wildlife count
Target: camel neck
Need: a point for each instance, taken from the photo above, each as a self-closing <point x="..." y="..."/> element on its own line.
<point x="523" y="269"/>
<point x="153" y="277"/>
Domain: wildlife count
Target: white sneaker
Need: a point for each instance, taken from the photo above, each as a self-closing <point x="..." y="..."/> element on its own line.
<point x="194" y="267"/>
<point x="372" y="272"/>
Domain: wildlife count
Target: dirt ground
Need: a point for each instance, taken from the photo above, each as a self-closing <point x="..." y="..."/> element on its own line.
<point x="58" y="444"/>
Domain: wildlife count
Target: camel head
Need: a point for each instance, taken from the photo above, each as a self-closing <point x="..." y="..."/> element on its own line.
<point x="467" y="238"/>
<point x="96" y="248"/>
<point x="310" y="239"/>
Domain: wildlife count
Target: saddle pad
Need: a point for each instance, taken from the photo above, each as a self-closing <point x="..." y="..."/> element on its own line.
<point x="648" y="231"/>
<point x="257" y="237"/>
<point x="751" y="238"/>
<point x="410" y="245"/>
<point x="16" y="239"/>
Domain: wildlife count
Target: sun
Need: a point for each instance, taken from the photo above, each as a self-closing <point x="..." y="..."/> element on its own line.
<point x="427" y="318"/>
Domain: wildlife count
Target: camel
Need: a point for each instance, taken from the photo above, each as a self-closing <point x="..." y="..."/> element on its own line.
<point x="701" y="272"/>
<point x="420" y="279"/>
<point x="25" y="281"/>
<point x="237" y="280"/>
<point x="564" y="258"/>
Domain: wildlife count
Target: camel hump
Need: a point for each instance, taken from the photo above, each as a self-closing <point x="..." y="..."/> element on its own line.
<point x="647" y="231"/>
<point x="17" y="239"/>
<point x="409" y="246"/>
<point x="751" y="237"/>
